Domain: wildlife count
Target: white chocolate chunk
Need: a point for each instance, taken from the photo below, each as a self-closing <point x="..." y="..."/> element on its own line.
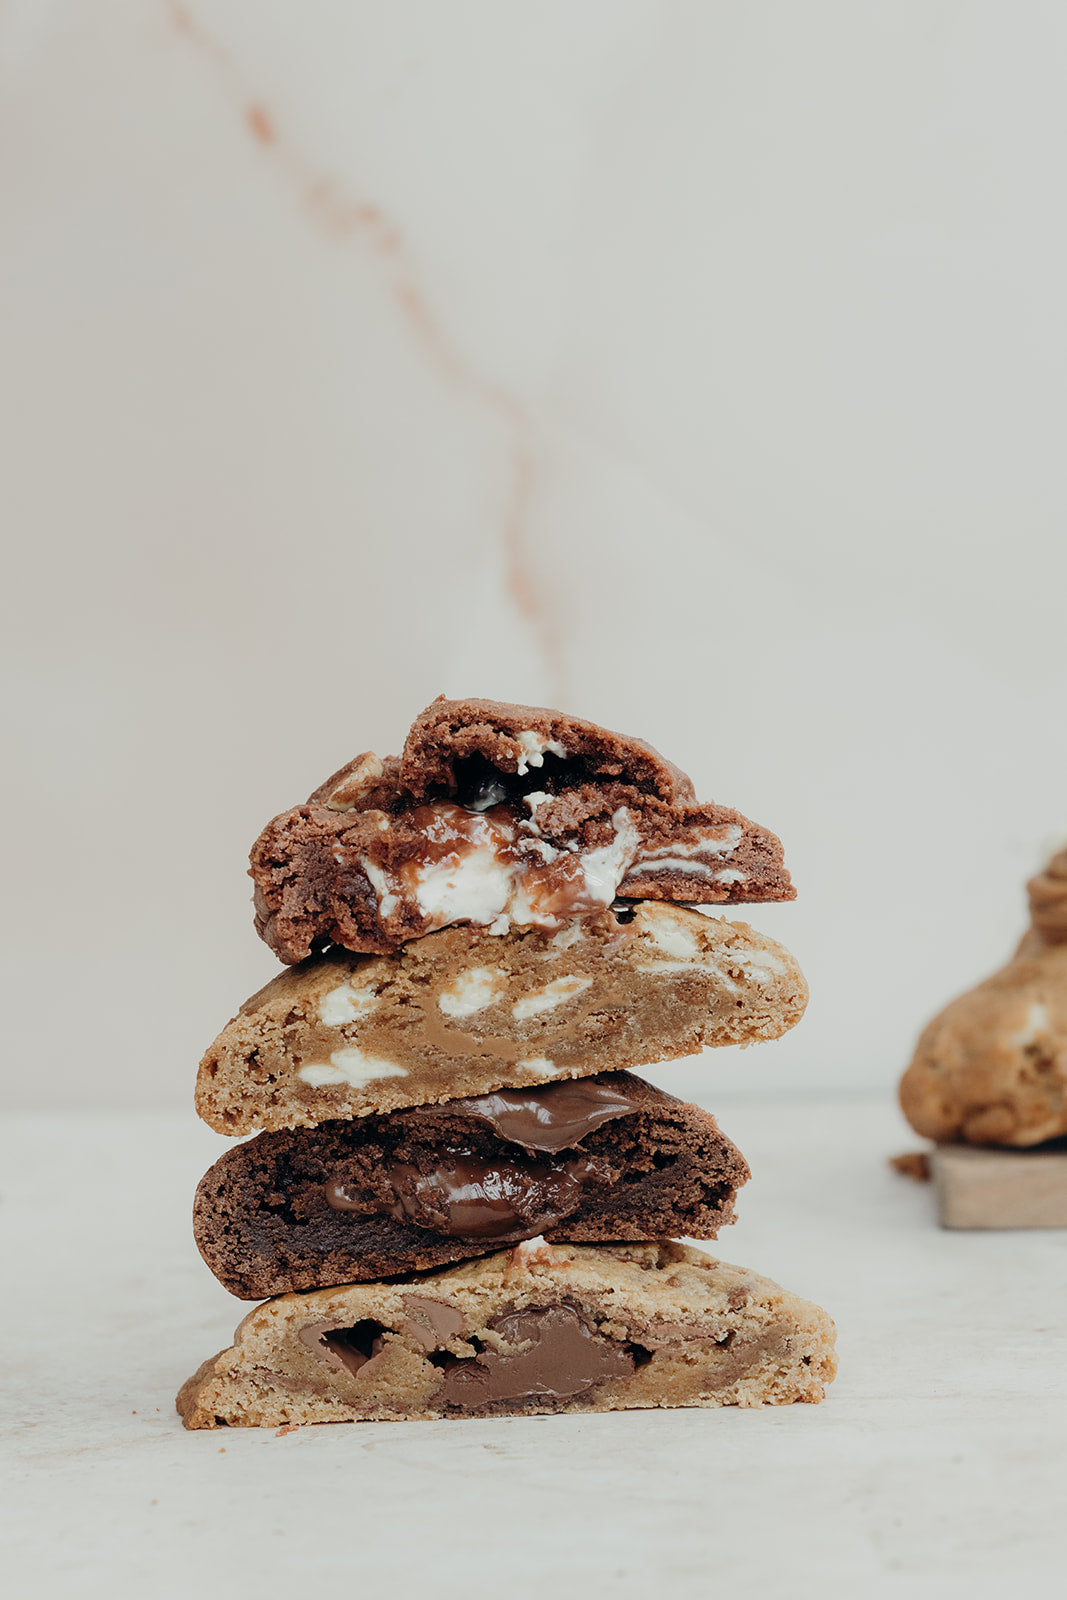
<point x="529" y="1253"/>
<point x="537" y="1064"/>
<point x="720" y="841"/>
<point x="672" y="936"/>
<point x="712" y="966"/>
<point x="347" y="1003"/>
<point x="693" y="869"/>
<point x="764" y="962"/>
<point x="679" y="855"/>
<point x="350" y="1066"/>
<point x="554" y="994"/>
<point x="1037" y="1022"/>
<point x="318" y="1073"/>
<point x="759" y="966"/>
<point x="472" y="991"/>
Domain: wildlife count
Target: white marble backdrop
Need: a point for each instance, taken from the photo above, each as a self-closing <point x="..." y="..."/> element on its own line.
<point x="700" y="367"/>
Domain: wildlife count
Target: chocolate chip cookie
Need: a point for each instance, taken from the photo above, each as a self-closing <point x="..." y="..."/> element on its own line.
<point x="992" y="1067"/>
<point x="542" y="1328"/>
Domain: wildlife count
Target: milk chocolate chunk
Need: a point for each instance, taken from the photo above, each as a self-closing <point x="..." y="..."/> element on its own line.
<point x="498" y="815"/>
<point x="431" y="1322"/>
<point x="464" y="1013"/>
<point x="556" y="1356"/>
<point x="351" y="1201"/>
<point x="557" y="1328"/>
<point x="347" y="1348"/>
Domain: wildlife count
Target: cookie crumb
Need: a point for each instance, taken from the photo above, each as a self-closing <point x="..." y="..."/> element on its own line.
<point x="913" y="1164"/>
<point x="290" y="1427"/>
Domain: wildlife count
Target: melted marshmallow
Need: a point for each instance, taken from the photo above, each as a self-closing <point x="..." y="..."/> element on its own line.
<point x="679" y="856"/>
<point x="494" y="876"/>
<point x="474" y="887"/>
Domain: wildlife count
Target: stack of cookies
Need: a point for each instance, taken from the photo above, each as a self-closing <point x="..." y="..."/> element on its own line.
<point x="459" y="1200"/>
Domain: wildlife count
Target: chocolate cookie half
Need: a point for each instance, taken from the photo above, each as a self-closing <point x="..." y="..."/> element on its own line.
<point x="498" y="815"/>
<point x="594" y="1159"/>
<point x="544" y="1328"/>
<point x="463" y="1011"/>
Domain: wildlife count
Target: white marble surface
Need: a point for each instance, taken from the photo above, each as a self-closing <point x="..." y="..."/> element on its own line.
<point x="935" y="1468"/>
<point x="699" y="366"/>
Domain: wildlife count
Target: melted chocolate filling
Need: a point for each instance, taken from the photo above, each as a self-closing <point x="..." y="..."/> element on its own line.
<point x="555" y="1352"/>
<point x="474" y="1199"/>
<point x="552" y="1116"/>
<point x="564" y="1357"/>
<point x="465" y="1196"/>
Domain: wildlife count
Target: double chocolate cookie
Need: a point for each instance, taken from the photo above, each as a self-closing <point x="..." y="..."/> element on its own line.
<point x="544" y="1328"/>
<point x="596" y="1159"/>
<point x="501" y="816"/>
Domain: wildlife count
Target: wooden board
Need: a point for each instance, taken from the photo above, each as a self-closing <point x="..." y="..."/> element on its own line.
<point x="979" y="1188"/>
